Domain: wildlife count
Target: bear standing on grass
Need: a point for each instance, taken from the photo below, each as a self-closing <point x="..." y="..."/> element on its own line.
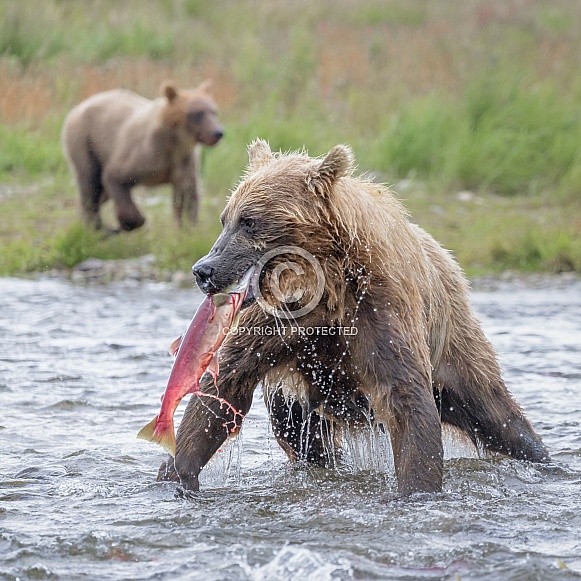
<point x="116" y="140"/>
<point x="388" y="335"/>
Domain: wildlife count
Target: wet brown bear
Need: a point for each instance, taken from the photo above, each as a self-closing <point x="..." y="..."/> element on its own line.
<point x="419" y="358"/>
<point x="117" y="139"/>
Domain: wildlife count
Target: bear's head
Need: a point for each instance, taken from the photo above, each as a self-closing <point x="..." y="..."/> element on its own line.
<point x="192" y="112"/>
<point x="284" y="220"/>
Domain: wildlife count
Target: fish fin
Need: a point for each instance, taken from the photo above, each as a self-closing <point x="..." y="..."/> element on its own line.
<point x="160" y="434"/>
<point x="174" y="347"/>
<point x="235" y="322"/>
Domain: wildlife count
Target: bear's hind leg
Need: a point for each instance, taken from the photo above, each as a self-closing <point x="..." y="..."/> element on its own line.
<point x="302" y="435"/>
<point x="479" y="404"/>
<point x="119" y="189"/>
<point x="87" y="172"/>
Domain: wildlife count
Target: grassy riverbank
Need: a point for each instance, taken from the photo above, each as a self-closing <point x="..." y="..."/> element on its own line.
<point x="472" y="112"/>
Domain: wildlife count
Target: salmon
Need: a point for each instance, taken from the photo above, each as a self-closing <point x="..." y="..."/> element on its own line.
<point x="196" y="353"/>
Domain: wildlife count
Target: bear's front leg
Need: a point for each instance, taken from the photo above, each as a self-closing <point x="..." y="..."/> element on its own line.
<point x="185" y="189"/>
<point x="396" y="357"/>
<point x="416" y="437"/>
<point x="215" y="413"/>
<point x="208" y="421"/>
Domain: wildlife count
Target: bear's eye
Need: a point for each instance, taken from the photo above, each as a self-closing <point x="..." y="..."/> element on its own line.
<point x="248" y="223"/>
<point x="196" y="116"/>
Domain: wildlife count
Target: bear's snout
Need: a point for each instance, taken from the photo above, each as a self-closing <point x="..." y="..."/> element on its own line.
<point x="211" y="137"/>
<point x="203" y="273"/>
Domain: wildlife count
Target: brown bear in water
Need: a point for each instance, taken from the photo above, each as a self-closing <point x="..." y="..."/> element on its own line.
<point x="360" y="318"/>
<point x="117" y="139"/>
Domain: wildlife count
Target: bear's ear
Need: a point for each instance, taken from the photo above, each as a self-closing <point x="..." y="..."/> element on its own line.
<point x="337" y="164"/>
<point x="205" y="87"/>
<point x="169" y="90"/>
<point x="259" y="154"/>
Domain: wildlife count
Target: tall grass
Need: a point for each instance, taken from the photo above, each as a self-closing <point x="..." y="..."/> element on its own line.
<point x="25" y="152"/>
<point x="502" y="135"/>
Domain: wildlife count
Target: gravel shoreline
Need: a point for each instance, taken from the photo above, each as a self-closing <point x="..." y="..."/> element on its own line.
<point x="141" y="269"/>
<point x="144" y="269"/>
<point x="515" y="281"/>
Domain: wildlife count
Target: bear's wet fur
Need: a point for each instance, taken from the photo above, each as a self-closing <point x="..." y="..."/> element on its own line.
<point x="117" y="139"/>
<point x="419" y="357"/>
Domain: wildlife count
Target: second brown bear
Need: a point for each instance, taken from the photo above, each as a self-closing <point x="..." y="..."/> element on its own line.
<point x="117" y="139"/>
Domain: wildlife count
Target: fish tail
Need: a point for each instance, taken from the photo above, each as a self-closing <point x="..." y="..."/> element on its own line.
<point x="160" y="433"/>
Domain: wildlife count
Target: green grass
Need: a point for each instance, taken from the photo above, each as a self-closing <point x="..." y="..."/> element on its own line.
<point x="493" y="234"/>
<point x="43" y="231"/>
<point x="488" y="233"/>
<point x="502" y="136"/>
<point x="27" y="152"/>
<point x="555" y="251"/>
<point x="22" y="39"/>
<point x="137" y="40"/>
<point x="374" y="13"/>
<point x="41" y="31"/>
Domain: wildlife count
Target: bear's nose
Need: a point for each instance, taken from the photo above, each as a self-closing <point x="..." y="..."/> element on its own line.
<point x="203" y="273"/>
<point x="218" y="134"/>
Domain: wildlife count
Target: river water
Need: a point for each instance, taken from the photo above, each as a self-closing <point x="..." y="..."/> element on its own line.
<point x="82" y="369"/>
